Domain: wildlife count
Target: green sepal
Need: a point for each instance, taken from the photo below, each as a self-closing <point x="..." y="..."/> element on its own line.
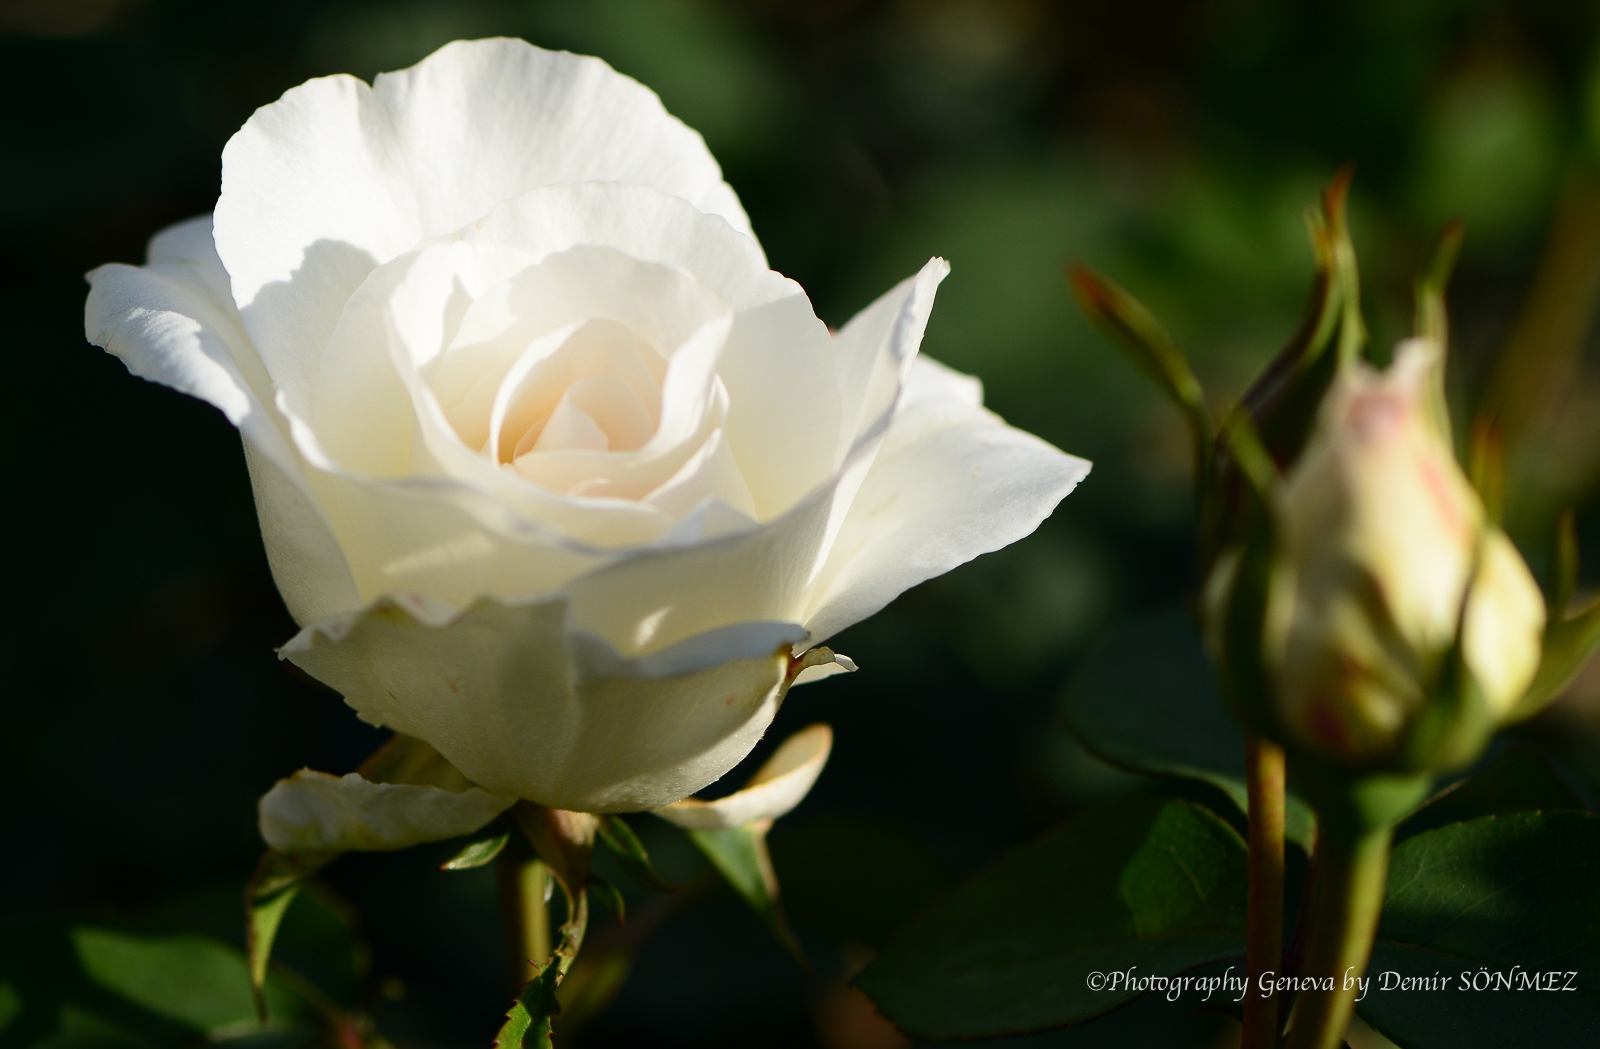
<point x="1456" y="722"/>
<point x="1563" y="567"/>
<point x="1283" y="401"/>
<point x="631" y="854"/>
<point x="1352" y="333"/>
<point x="1353" y="805"/>
<point x="273" y="886"/>
<point x="478" y="852"/>
<point x="562" y="839"/>
<point x="406" y="759"/>
<point x="1432" y="321"/>
<point x="1240" y="637"/>
<point x="1568" y="645"/>
<point x="1283" y="398"/>
<point x="1134" y="330"/>
<point x="1486" y="465"/>
<point x="741" y="857"/>
<point x="1570" y="636"/>
<point x="610" y="897"/>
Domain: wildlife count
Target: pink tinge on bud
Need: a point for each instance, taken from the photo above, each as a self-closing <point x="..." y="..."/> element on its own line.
<point x="1384" y="532"/>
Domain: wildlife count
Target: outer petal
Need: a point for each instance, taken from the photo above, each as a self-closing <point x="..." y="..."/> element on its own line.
<point x="526" y="706"/>
<point x="315" y="812"/>
<point x="1504" y="624"/>
<point x="173" y="322"/>
<point x="309" y="566"/>
<point x="873" y="354"/>
<point x="952" y="481"/>
<point x="335" y="177"/>
<point x="778" y="786"/>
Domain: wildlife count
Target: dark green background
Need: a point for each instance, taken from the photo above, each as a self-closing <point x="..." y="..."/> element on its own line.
<point x="1172" y="143"/>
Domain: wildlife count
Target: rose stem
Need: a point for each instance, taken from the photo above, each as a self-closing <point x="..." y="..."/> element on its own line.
<point x="524" y="916"/>
<point x="1264" y="942"/>
<point x="1348" y="897"/>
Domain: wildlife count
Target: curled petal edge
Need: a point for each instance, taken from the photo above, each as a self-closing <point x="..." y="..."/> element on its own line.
<point x="316" y="812"/>
<point x="777" y="787"/>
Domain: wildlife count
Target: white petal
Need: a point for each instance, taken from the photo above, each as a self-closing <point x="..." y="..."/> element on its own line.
<point x="776" y="572"/>
<point x="783" y="402"/>
<point x="316" y="812"/>
<point x="172" y="322"/>
<point x="641" y="222"/>
<point x="873" y="354"/>
<point x="930" y="379"/>
<point x="950" y="482"/>
<point x="873" y="358"/>
<point x="839" y="664"/>
<point x="711" y="473"/>
<point x="524" y="705"/>
<point x="168" y="325"/>
<point x="373" y="407"/>
<point x="662" y="595"/>
<point x="308" y="564"/>
<point x="336" y="178"/>
<point x="778" y="786"/>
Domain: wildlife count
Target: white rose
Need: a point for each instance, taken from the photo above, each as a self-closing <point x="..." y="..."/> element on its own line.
<point x="554" y="471"/>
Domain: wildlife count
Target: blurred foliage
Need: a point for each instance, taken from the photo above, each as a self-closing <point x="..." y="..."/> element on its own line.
<point x="1173" y="143"/>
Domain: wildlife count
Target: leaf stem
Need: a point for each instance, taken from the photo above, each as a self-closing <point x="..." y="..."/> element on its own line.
<point x="524" y="916"/>
<point x="1348" y="898"/>
<point x="1264" y="765"/>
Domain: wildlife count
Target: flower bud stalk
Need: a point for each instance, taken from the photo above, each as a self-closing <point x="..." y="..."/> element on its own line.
<point x="1264" y="764"/>
<point x="1352" y="867"/>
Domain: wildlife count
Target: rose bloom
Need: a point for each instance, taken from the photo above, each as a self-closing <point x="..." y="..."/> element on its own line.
<point x="557" y="475"/>
<point x="1385" y="535"/>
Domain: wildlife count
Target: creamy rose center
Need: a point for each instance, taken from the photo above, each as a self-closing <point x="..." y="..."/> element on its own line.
<point x="576" y="373"/>
<point x="599" y="390"/>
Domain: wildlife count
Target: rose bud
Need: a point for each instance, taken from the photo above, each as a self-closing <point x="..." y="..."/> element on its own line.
<point x="1390" y="556"/>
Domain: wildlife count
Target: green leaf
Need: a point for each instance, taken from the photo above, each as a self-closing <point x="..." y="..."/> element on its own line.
<point x="856" y="880"/>
<point x="273" y="886"/>
<point x="1195" y="1020"/>
<point x="1519" y="780"/>
<point x="70" y="982"/>
<point x="319" y="939"/>
<point x="477" y="853"/>
<point x="1147" y="883"/>
<point x="1148" y="702"/>
<point x="1510" y="895"/>
<point x="740" y="856"/>
<point x="529" y="1021"/>
<point x="631" y="854"/>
